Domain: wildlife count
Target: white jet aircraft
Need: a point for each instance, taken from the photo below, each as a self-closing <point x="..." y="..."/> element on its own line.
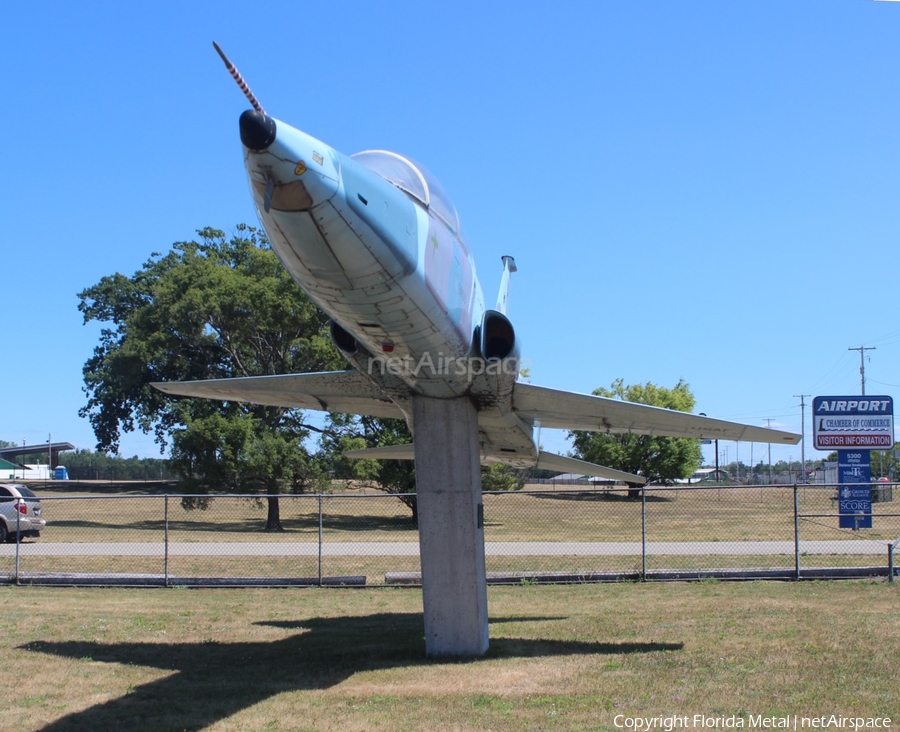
<point x="374" y="240"/>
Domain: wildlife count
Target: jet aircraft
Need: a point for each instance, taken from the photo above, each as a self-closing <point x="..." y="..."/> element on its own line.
<point x="376" y="243"/>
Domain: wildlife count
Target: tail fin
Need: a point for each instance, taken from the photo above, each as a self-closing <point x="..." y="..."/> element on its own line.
<point x="509" y="266"/>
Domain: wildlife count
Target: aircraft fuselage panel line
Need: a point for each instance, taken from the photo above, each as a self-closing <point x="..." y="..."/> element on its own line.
<point x="451" y="527"/>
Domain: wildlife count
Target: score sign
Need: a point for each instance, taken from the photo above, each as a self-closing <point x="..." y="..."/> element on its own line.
<point x="860" y="422"/>
<point x="854" y="492"/>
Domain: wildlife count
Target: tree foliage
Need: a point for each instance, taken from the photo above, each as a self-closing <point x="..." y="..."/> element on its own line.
<point x="397" y="477"/>
<point x="502" y="477"/>
<point x="659" y="459"/>
<point x="89" y="465"/>
<point x="348" y="432"/>
<point x="213" y="308"/>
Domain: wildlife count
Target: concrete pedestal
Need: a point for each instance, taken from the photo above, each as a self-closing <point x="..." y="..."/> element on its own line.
<point x="451" y="526"/>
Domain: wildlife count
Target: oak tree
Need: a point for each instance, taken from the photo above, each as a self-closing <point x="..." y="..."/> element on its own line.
<point x="215" y="307"/>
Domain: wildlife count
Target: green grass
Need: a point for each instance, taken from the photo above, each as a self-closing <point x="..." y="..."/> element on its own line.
<point x="561" y="658"/>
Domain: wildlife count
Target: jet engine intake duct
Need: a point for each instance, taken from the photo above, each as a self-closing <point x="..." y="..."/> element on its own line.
<point x="498" y="337"/>
<point x="343" y="340"/>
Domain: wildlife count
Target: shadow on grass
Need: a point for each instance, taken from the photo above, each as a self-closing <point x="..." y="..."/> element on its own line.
<point x="212" y="681"/>
<point x="252" y="524"/>
<point x="604" y="497"/>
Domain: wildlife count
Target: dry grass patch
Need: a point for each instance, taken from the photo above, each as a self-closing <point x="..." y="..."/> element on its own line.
<point x="725" y="514"/>
<point x="560" y="658"/>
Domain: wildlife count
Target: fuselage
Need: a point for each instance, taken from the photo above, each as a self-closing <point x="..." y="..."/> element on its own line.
<point x="375" y="242"/>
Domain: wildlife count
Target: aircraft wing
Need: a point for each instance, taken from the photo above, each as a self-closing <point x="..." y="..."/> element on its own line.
<point x="570" y="411"/>
<point x="405" y="451"/>
<point x="549" y="461"/>
<point x="329" y="391"/>
<point x="546" y="460"/>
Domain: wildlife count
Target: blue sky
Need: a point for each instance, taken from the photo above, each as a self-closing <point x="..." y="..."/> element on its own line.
<point x="704" y="190"/>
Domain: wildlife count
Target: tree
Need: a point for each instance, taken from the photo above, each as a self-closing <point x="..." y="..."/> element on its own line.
<point x="658" y="459"/>
<point x="348" y="432"/>
<point x="502" y="477"/>
<point x="213" y="308"/>
<point x="89" y="465"/>
<point x="397" y="477"/>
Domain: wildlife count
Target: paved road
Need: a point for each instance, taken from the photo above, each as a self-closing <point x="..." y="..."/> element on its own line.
<point x="404" y="549"/>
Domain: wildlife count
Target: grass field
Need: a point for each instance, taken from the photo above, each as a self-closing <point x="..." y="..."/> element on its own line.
<point x="726" y="514"/>
<point x="718" y="515"/>
<point x="561" y="658"/>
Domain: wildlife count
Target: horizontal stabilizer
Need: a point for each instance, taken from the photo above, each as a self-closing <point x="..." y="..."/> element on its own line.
<point x="388" y="452"/>
<point x="549" y="461"/>
<point x="546" y="460"/>
<point x="570" y="411"/>
<point x="329" y="391"/>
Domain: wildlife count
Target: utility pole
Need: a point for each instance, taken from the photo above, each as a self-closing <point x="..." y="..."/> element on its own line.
<point x="769" y="425"/>
<point x="862" y="366"/>
<point x="802" y="433"/>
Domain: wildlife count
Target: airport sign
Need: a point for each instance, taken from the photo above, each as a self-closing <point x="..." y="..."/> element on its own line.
<point x="853" y="422"/>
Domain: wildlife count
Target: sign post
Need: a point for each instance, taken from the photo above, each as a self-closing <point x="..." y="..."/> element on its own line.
<point x="853" y="425"/>
<point x="855" y="490"/>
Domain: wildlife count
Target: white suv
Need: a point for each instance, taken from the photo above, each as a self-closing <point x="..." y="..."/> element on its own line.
<point x="20" y="511"/>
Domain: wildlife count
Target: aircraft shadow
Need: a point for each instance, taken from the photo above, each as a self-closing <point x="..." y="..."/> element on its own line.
<point x="604" y="497"/>
<point x="211" y="681"/>
<point x="251" y="525"/>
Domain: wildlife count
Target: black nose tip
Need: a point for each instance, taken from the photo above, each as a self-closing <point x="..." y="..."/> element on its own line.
<point x="257" y="130"/>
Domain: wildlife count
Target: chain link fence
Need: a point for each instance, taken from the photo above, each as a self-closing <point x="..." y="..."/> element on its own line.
<point x="554" y="535"/>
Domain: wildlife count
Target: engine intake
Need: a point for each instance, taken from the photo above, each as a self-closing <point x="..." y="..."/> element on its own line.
<point x="345" y="341"/>
<point x="497" y="336"/>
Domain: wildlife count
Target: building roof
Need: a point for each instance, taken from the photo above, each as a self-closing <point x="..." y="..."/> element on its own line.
<point x="9" y="453"/>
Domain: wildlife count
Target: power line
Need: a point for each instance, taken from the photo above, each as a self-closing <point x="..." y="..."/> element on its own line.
<point x="884" y="383"/>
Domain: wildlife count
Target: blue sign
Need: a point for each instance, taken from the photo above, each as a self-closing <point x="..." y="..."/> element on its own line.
<point x="866" y="422"/>
<point x="854" y="489"/>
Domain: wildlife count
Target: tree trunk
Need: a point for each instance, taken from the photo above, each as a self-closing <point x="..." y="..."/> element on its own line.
<point x="273" y="519"/>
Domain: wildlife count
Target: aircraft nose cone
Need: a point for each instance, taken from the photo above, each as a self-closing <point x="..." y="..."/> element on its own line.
<point x="257" y="130"/>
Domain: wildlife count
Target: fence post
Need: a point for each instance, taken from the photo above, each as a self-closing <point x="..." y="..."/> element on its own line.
<point x="18" y="535"/>
<point x="890" y="562"/>
<point x="166" y="541"/>
<point x="796" y="532"/>
<point x="320" y="540"/>
<point x="643" y="534"/>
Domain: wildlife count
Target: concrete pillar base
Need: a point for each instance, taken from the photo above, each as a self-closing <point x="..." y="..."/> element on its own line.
<point x="451" y="526"/>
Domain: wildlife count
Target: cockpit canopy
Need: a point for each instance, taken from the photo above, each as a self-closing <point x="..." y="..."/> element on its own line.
<point x="414" y="180"/>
